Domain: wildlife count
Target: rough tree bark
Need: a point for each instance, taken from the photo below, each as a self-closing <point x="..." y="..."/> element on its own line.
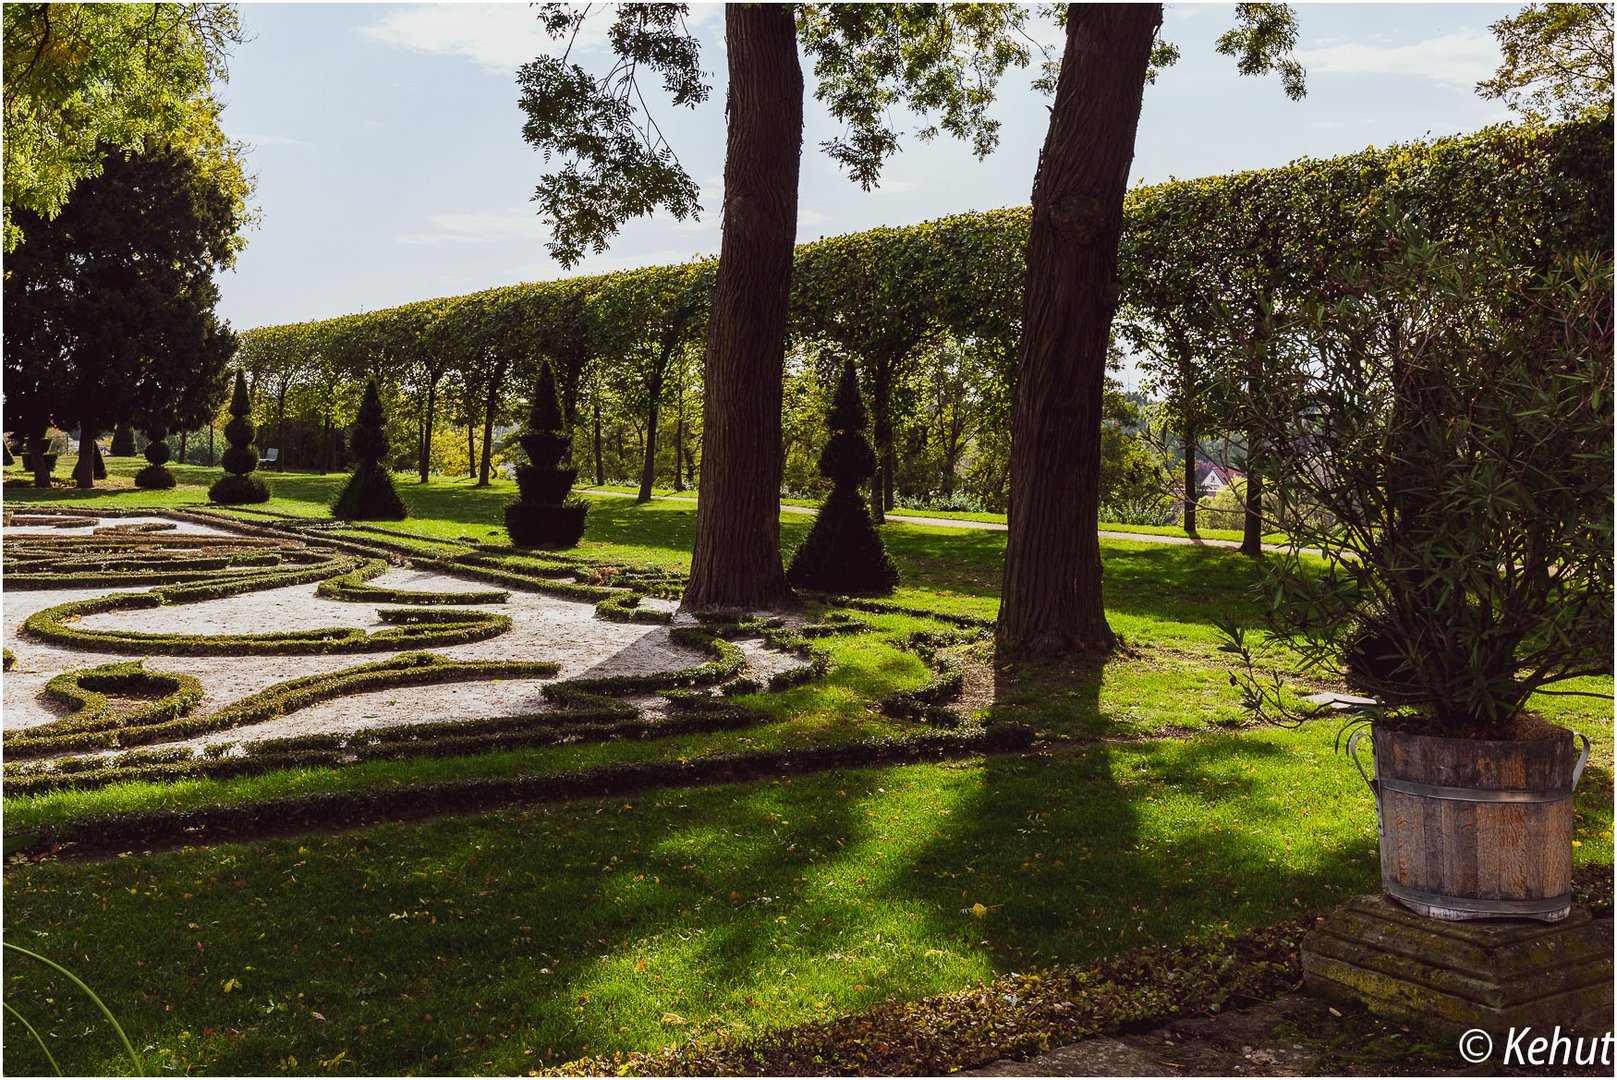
<point x="1051" y="593"/>
<point x="600" y="458"/>
<point x="84" y="471"/>
<point x="1191" y="491"/>
<point x="736" y="562"/>
<point x="648" y="469"/>
<point x="491" y="405"/>
<point x="425" y="463"/>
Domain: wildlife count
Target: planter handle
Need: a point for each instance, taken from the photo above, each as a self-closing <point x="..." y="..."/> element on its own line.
<point x="1583" y="759"/>
<point x="1353" y="752"/>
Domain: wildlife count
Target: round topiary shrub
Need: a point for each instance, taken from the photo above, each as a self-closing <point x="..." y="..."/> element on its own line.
<point x="545" y="515"/>
<point x="843" y="552"/>
<point x="156" y="475"/>
<point x="240" y="484"/>
<point x="369" y="494"/>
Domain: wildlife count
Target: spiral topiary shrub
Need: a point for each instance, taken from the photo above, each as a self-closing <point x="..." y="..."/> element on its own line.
<point x="240" y="459"/>
<point x="369" y="494"/>
<point x="156" y="475"/>
<point x="843" y="552"/>
<point x="545" y="515"/>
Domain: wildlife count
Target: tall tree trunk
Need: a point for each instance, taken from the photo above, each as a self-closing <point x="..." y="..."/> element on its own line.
<point x="1051" y="596"/>
<point x="280" y="434"/>
<point x="881" y="430"/>
<point x="736" y="561"/>
<point x="679" y="437"/>
<point x="490" y="403"/>
<point x="648" y="471"/>
<point x="1252" y="520"/>
<point x="185" y="438"/>
<point x="38" y="447"/>
<point x="1192" y="493"/>
<point x="84" y="472"/>
<point x="210" y="445"/>
<point x="600" y="461"/>
<point x="426" y="429"/>
<point x="471" y="451"/>
<point x="1252" y="517"/>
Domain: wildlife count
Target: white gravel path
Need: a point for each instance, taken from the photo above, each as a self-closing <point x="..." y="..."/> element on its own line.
<point x="544" y="628"/>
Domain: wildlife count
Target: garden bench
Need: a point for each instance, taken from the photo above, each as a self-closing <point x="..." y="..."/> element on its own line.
<point x="269" y="456"/>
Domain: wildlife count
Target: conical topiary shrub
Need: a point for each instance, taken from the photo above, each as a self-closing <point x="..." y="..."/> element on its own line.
<point x="369" y="494"/>
<point x="544" y="515"/>
<point x="240" y="459"/>
<point x="123" y="441"/>
<point x="156" y="474"/>
<point x="843" y="552"/>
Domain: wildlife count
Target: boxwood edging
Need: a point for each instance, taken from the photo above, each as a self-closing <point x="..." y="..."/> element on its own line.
<point x="85" y="692"/>
<point x="364" y="806"/>
<point x="439" y="739"/>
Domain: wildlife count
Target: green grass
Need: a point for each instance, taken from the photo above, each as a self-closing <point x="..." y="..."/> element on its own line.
<point x="502" y="941"/>
<point x="961" y="515"/>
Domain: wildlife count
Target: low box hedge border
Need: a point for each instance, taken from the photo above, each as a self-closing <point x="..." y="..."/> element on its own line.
<point x="85" y="691"/>
<point x="364" y="806"/>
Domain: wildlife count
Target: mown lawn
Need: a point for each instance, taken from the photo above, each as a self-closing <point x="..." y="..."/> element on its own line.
<point x="502" y="941"/>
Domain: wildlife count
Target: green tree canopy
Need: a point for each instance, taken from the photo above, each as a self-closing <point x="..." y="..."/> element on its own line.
<point x="109" y="306"/>
<point x="1558" y="60"/>
<point x="84" y="80"/>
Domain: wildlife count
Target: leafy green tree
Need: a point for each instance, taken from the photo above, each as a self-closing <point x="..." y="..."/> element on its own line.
<point x="651" y="315"/>
<point x="545" y="514"/>
<point x="83" y="81"/>
<point x="110" y="305"/>
<point x="241" y="483"/>
<point x="869" y="58"/>
<point x="1050" y="595"/>
<point x="369" y="494"/>
<point x="843" y="552"/>
<point x="1557" y="60"/>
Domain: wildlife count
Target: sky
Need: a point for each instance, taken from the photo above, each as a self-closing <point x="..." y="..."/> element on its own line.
<point x="386" y="139"/>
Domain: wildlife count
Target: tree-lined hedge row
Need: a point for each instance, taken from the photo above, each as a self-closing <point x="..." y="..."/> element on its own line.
<point x="1210" y="270"/>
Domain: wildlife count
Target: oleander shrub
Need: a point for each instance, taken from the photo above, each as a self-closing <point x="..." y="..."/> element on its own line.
<point x="545" y="514"/>
<point x="369" y="494"/>
<point x="843" y="552"/>
<point x="241" y="483"/>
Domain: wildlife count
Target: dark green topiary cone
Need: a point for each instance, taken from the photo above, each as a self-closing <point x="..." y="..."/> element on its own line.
<point x="843" y="552"/>
<point x="240" y="484"/>
<point x="369" y="494"/>
<point x="545" y="515"/>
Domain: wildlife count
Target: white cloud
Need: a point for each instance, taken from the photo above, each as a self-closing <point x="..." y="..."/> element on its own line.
<point x="480" y="229"/>
<point x="500" y="38"/>
<point x="1459" y="58"/>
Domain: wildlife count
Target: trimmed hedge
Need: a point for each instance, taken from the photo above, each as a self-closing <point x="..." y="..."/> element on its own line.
<point x="348" y="809"/>
<point x="86" y="692"/>
<point x="351" y="587"/>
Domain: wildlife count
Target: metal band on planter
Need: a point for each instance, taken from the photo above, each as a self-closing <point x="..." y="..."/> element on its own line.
<point x="1549" y="905"/>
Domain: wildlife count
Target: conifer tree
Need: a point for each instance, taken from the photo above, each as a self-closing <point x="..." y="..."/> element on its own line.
<point x="843" y="552"/>
<point x="156" y="475"/>
<point x="240" y="459"/>
<point x="545" y="514"/>
<point x="123" y="441"/>
<point x="369" y="494"/>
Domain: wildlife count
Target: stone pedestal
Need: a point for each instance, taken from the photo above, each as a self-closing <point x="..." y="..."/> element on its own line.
<point x="1492" y="974"/>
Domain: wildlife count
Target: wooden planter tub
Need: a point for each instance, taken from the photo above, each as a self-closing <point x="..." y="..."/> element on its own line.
<point x="1476" y="828"/>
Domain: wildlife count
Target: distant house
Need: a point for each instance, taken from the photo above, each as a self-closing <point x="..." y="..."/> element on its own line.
<point x="1212" y="478"/>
